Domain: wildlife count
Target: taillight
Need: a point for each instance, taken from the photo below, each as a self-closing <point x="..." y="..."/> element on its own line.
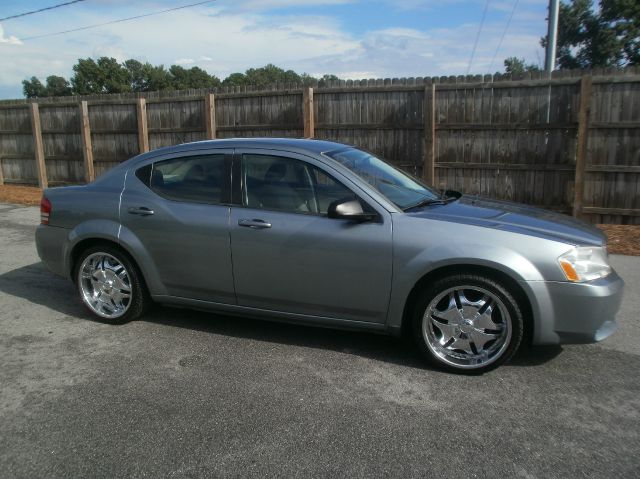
<point x="45" y="211"/>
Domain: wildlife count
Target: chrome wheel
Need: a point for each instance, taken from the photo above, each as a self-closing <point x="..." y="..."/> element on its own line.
<point x="105" y="285"/>
<point x="467" y="327"/>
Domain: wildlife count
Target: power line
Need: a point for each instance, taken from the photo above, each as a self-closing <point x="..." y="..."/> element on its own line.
<point x="504" y="34"/>
<point x="475" y="45"/>
<point x="40" y="10"/>
<point x="115" y="21"/>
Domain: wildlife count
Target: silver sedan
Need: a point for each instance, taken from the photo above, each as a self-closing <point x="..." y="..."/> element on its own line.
<point x="325" y="234"/>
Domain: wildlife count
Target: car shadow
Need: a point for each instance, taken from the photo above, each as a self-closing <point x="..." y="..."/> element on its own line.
<point x="37" y="285"/>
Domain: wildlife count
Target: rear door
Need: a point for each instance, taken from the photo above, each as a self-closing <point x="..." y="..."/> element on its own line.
<point x="289" y="256"/>
<point x="179" y="209"/>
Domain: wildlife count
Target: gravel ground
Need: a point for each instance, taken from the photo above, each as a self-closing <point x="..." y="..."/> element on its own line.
<point x="189" y="394"/>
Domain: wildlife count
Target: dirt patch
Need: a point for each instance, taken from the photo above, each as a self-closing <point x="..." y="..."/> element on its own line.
<point x="20" y="195"/>
<point x="623" y="239"/>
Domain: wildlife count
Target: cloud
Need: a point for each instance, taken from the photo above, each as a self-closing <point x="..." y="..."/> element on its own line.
<point x="11" y="40"/>
<point x="184" y="61"/>
<point x="229" y="37"/>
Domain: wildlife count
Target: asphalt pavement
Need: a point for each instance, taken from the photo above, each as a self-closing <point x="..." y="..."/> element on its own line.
<point x="191" y="394"/>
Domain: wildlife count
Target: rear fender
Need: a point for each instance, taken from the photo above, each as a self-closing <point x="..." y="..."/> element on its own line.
<point x="112" y="231"/>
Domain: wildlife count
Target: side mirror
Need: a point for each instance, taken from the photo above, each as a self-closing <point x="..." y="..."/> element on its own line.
<point x="349" y="209"/>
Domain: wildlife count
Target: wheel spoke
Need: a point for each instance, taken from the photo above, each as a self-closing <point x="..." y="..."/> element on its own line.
<point x="450" y="315"/>
<point x="462" y="344"/>
<point x="480" y="338"/>
<point x="485" y="320"/>
<point x="448" y="330"/>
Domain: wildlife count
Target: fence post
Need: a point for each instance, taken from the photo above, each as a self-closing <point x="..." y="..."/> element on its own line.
<point x="307" y="112"/>
<point x="583" y="137"/>
<point x="143" y="131"/>
<point x="429" y="169"/>
<point x="38" y="148"/>
<point x="1" y="174"/>
<point x="87" y="149"/>
<point x="210" y="116"/>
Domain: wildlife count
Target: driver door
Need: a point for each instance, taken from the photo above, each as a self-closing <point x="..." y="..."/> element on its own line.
<point x="289" y="256"/>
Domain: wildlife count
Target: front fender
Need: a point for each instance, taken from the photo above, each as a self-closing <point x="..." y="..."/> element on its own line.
<point x="408" y="273"/>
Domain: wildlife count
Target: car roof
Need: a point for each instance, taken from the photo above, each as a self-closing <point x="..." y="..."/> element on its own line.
<point x="289" y="144"/>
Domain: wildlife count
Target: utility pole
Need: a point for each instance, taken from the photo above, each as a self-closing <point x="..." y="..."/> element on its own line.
<point x="552" y="36"/>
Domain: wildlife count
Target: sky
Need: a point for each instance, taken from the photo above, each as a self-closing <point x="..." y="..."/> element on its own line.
<point x="352" y="39"/>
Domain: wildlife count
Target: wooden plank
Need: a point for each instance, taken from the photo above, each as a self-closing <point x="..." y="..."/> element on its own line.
<point x="611" y="211"/>
<point x="288" y="126"/>
<point x="583" y="136"/>
<point x="507" y="126"/>
<point x="429" y="111"/>
<point x="613" y="168"/>
<point x="87" y="149"/>
<point x="210" y="116"/>
<point x="603" y="125"/>
<point x="143" y="131"/>
<point x="307" y="112"/>
<point x="503" y="166"/>
<point x="368" y="126"/>
<point x="170" y="129"/>
<point x="38" y="149"/>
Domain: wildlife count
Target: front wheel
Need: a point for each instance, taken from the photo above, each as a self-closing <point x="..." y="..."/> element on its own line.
<point x="467" y="323"/>
<point x="110" y="285"/>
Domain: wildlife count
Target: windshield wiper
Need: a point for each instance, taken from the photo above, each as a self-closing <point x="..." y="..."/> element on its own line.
<point x="430" y="201"/>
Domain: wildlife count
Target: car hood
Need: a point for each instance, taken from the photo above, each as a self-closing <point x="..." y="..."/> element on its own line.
<point x="513" y="217"/>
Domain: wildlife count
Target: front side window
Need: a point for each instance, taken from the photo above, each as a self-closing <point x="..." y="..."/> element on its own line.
<point x="285" y="184"/>
<point x="398" y="187"/>
<point x="196" y="179"/>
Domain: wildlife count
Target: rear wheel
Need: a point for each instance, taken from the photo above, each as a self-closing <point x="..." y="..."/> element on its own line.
<point x="110" y="285"/>
<point x="467" y="323"/>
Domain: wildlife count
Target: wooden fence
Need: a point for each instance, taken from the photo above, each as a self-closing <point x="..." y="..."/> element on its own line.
<point x="569" y="143"/>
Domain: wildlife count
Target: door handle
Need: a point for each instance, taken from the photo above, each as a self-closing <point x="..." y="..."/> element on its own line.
<point x="142" y="211"/>
<point x="255" y="224"/>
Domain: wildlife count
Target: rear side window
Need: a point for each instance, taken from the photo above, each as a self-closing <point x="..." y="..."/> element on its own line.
<point x="195" y="179"/>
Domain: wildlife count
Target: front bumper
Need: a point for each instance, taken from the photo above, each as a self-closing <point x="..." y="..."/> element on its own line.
<point x="567" y="312"/>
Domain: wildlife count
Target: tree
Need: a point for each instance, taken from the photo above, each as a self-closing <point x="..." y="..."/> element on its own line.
<point x="515" y="65"/>
<point x="270" y="74"/>
<point x="33" y="88"/>
<point x="104" y="76"/>
<point x="146" y="77"/>
<point x="606" y="35"/>
<point x="235" y="79"/>
<point x="195" y="77"/>
<point x="58" y="86"/>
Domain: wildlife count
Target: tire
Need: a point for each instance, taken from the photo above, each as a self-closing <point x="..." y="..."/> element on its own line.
<point x="467" y="323"/>
<point x="110" y="285"/>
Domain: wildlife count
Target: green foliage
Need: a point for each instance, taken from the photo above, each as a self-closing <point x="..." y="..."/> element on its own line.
<point x="106" y="75"/>
<point x="181" y="79"/>
<point x="515" y="65"/>
<point x="55" y="86"/>
<point x="602" y="35"/>
<point x="58" y="86"/>
<point x="33" y="88"/>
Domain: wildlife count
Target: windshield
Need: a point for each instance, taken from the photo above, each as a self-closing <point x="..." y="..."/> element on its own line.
<point x="398" y="187"/>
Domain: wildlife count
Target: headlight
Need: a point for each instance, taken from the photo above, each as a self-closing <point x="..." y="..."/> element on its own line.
<point x="585" y="263"/>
